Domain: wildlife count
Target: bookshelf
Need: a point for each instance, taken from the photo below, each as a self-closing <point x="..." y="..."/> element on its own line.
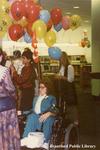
<point x="79" y="63"/>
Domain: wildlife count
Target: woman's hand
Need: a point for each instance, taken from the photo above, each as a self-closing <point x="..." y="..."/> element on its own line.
<point x="60" y="77"/>
<point x="44" y="116"/>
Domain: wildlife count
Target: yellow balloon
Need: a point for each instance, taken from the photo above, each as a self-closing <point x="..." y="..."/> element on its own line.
<point x="50" y="38"/>
<point x="5" y="21"/>
<point x="23" y="22"/>
<point x="2" y="31"/>
<point x="4" y="6"/>
<point x="40" y="27"/>
<point x="75" y="21"/>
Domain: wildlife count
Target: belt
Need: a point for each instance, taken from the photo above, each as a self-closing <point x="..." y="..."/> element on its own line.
<point x="7" y="103"/>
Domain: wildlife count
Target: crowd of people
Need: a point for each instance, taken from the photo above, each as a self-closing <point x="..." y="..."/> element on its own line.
<point x="18" y="76"/>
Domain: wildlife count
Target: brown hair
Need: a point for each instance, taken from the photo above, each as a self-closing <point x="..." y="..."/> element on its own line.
<point x="49" y="85"/>
<point x="28" y="54"/>
<point x="3" y="57"/>
<point x="64" y="60"/>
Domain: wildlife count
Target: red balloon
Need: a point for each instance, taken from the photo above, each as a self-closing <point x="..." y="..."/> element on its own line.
<point x="35" y="52"/>
<point x="29" y="29"/>
<point x="34" y="40"/>
<point x="56" y="15"/>
<point x="27" y="5"/>
<point x="34" y="45"/>
<point x="33" y="13"/>
<point x="49" y="25"/>
<point x="17" y="10"/>
<point x="83" y="43"/>
<point x="15" y="32"/>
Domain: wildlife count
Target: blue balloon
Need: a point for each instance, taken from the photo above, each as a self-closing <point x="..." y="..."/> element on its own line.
<point x="58" y="27"/>
<point x="27" y="38"/>
<point x="44" y="15"/>
<point x="55" y="52"/>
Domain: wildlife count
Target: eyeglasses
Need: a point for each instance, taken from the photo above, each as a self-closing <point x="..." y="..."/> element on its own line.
<point x="42" y="87"/>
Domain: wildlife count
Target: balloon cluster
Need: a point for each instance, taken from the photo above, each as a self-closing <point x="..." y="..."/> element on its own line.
<point x="27" y="18"/>
<point x="5" y="20"/>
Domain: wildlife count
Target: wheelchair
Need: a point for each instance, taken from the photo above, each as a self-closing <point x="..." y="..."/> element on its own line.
<point x="64" y="133"/>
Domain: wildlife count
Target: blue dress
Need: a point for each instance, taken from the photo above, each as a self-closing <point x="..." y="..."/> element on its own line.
<point x="33" y="124"/>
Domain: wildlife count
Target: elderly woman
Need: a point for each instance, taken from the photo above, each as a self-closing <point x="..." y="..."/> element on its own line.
<point x="44" y="111"/>
<point x="9" y="131"/>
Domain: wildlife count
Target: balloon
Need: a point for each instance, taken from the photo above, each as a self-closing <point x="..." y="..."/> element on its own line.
<point x="29" y="29"/>
<point x="27" y="5"/>
<point x="2" y="32"/>
<point x="83" y="43"/>
<point x="50" y="38"/>
<point x="15" y="32"/>
<point x="27" y="38"/>
<point x="66" y="23"/>
<point x="55" y="52"/>
<point x="33" y="13"/>
<point x="34" y="40"/>
<point x="49" y="25"/>
<point x="35" y="53"/>
<point x="58" y="27"/>
<point x="17" y="10"/>
<point x="56" y="15"/>
<point x="34" y="45"/>
<point x="36" y="1"/>
<point x="75" y="21"/>
<point x="44" y="15"/>
<point x="23" y="22"/>
<point x="4" y="6"/>
<point x="5" y="21"/>
<point x="40" y="27"/>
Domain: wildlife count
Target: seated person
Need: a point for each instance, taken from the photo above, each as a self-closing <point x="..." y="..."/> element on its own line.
<point x="42" y="114"/>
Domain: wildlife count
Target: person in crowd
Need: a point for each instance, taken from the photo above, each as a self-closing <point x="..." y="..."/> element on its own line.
<point x="9" y="130"/>
<point x="16" y="60"/>
<point x="43" y="112"/>
<point x="26" y="80"/>
<point x="66" y="88"/>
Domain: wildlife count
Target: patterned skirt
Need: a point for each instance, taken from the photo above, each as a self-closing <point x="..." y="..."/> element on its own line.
<point x="9" y="131"/>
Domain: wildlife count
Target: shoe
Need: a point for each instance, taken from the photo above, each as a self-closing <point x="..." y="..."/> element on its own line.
<point x="45" y="146"/>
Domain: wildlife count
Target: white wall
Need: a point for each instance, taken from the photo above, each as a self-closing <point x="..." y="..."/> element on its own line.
<point x="66" y="40"/>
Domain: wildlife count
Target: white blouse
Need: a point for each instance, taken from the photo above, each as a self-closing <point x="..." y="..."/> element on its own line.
<point x="37" y="108"/>
<point x="70" y="72"/>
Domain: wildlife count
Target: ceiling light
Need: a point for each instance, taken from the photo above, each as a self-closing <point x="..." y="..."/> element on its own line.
<point x="76" y="7"/>
<point x="68" y="13"/>
<point x="86" y="21"/>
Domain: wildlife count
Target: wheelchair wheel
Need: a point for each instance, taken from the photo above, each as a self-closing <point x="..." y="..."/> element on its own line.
<point x="72" y="137"/>
<point x="57" y="138"/>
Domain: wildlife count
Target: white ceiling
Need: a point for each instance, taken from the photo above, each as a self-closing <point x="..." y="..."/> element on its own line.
<point x="67" y="6"/>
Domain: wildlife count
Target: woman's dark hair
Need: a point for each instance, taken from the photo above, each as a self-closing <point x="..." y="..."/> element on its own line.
<point x="49" y="85"/>
<point x="3" y="57"/>
<point x="28" y="54"/>
<point x="17" y="54"/>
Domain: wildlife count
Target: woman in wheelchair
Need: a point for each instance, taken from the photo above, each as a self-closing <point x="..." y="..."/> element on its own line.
<point x="43" y="114"/>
